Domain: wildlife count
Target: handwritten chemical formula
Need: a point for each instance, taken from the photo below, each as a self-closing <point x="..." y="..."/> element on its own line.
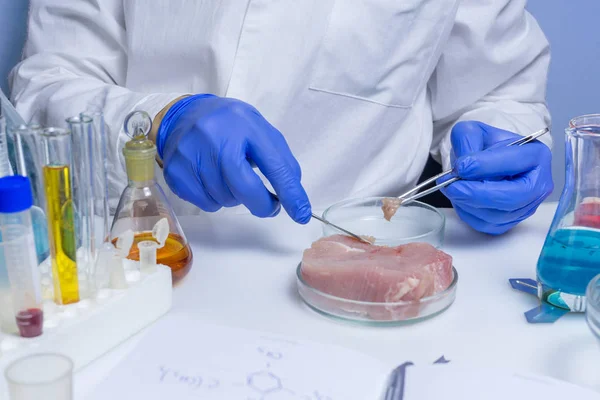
<point x="211" y="362"/>
<point x="261" y="384"/>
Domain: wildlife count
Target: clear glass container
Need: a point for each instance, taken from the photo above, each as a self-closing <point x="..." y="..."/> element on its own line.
<point x="570" y="257"/>
<point x="61" y="212"/>
<point x="415" y="222"/>
<point x="376" y="313"/>
<point x="82" y="135"/>
<point x="143" y="203"/>
<point x="26" y="142"/>
<point x="6" y="168"/>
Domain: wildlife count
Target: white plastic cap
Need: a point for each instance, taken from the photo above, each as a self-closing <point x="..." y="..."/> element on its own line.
<point x="160" y="232"/>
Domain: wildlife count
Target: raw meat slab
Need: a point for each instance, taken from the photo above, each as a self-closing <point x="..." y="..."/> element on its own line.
<point x="345" y="267"/>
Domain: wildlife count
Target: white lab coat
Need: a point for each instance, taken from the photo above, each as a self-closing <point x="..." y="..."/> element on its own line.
<point x="363" y="90"/>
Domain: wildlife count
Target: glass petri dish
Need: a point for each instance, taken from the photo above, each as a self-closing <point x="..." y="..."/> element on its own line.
<point x="370" y="313"/>
<point x="414" y="222"/>
<point x="592" y="312"/>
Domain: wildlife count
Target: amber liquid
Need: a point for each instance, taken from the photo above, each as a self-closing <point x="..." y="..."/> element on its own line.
<point x="174" y="254"/>
<point x="61" y="229"/>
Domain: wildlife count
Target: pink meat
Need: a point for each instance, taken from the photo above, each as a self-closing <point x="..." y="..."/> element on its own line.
<point x="390" y="206"/>
<point x="347" y="268"/>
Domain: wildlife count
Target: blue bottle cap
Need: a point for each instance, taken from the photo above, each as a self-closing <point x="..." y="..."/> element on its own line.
<point x="15" y="194"/>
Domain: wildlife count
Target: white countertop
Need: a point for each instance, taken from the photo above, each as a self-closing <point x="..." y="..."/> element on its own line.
<point x="244" y="275"/>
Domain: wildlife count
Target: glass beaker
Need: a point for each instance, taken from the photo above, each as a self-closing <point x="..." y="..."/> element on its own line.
<point x="570" y="257"/>
<point x="143" y="207"/>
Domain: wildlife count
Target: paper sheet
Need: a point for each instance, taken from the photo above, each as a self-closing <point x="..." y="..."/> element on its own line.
<point x="182" y="358"/>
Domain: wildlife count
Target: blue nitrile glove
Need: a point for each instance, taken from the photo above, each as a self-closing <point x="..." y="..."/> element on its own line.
<point x="500" y="186"/>
<point x="209" y="145"/>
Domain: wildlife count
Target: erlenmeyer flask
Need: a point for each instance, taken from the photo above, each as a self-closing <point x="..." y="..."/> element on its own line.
<point x="570" y="257"/>
<point x="143" y="206"/>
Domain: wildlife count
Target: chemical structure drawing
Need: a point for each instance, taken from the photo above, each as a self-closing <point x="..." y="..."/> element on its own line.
<point x="266" y="383"/>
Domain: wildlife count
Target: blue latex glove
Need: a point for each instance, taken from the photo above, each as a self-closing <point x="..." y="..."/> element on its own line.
<point x="209" y="145"/>
<point x="501" y="186"/>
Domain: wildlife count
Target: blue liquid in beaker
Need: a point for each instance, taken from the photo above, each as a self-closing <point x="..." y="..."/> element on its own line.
<point x="570" y="259"/>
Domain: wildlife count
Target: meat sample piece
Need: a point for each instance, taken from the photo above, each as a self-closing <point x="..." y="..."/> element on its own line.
<point x="345" y="267"/>
<point x="588" y="213"/>
<point x="390" y="206"/>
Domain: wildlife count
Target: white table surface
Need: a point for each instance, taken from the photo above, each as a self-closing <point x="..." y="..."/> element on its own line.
<point x="244" y="275"/>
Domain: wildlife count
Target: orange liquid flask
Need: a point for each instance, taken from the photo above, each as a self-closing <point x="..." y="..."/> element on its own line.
<point x="143" y="203"/>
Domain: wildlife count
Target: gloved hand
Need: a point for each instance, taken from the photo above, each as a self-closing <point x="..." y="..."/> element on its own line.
<point x="500" y="186"/>
<point x="209" y="144"/>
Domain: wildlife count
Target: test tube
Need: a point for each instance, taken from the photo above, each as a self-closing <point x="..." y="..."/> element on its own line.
<point x="19" y="255"/>
<point x="26" y="149"/>
<point x="5" y="167"/>
<point x="40" y="376"/>
<point x="83" y="194"/>
<point x="99" y="158"/>
<point x="56" y="153"/>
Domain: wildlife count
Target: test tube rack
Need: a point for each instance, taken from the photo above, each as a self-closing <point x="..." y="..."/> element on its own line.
<point x="86" y="330"/>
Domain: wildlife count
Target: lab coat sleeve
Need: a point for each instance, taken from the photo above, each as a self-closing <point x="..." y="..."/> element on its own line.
<point x="75" y="57"/>
<point x="493" y="69"/>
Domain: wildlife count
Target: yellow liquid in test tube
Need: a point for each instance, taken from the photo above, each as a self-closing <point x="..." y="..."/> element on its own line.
<point x="61" y="227"/>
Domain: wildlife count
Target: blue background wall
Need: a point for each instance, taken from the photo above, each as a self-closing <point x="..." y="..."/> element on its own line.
<point x="574" y="82"/>
<point x="570" y="25"/>
<point x="13" y="20"/>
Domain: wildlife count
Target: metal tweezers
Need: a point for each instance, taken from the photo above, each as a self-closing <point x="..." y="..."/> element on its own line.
<point x="354" y="235"/>
<point x="407" y="198"/>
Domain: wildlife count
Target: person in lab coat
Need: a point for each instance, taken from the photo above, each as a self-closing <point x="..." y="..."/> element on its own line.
<point x="311" y="99"/>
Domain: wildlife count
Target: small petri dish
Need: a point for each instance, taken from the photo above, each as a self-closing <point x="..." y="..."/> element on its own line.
<point x="414" y="222"/>
<point x="592" y="311"/>
<point x="371" y="313"/>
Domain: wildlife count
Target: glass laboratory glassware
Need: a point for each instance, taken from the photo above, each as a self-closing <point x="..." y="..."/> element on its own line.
<point x="57" y="152"/>
<point x="570" y="257"/>
<point x="105" y="250"/>
<point x="26" y="144"/>
<point x="83" y="172"/>
<point x="99" y="157"/>
<point x="5" y="167"/>
<point x="143" y="207"/>
<point x="19" y="255"/>
<point x="40" y="376"/>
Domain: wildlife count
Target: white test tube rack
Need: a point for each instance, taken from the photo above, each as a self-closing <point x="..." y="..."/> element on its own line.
<point x="86" y="330"/>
